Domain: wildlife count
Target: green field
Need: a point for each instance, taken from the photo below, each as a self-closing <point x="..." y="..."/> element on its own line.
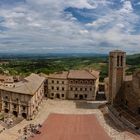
<point x="26" y="66"/>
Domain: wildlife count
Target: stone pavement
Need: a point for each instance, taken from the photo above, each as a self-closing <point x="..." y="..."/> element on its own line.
<point x="67" y="107"/>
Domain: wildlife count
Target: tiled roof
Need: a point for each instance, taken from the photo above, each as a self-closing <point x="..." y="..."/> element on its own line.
<point x="59" y="75"/>
<point x="28" y="85"/>
<point x="82" y="74"/>
<point x="128" y="78"/>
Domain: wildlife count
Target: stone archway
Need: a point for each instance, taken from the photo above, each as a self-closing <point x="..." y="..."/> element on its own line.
<point x="15" y="113"/>
<point x="24" y="115"/>
<point x="6" y="110"/>
<point x="58" y="96"/>
<point x="81" y="97"/>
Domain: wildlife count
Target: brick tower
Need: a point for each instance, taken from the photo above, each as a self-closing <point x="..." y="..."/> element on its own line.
<point x="117" y="62"/>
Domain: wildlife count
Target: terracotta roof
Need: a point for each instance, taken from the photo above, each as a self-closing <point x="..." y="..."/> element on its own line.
<point x="95" y="73"/>
<point x="28" y="85"/>
<point x="2" y="77"/>
<point x="106" y="79"/>
<point x="44" y="75"/>
<point x="128" y="78"/>
<point x="59" y="75"/>
<point x="82" y="74"/>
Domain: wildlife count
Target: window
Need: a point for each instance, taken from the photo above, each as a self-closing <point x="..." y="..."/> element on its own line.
<point x="76" y="82"/>
<point x="62" y="95"/>
<point x="85" y="95"/>
<point x="23" y="107"/>
<point x="76" y="89"/>
<point x="121" y="60"/>
<point x="126" y="102"/>
<point x="80" y="89"/>
<point x="57" y="82"/>
<point x="15" y="106"/>
<point x="81" y="82"/>
<point x="6" y="97"/>
<point x="138" y="110"/>
<point x="6" y="104"/>
<point x="91" y="82"/>
<point x="52" y="94"/>
<point x="52" y="81"/>
<point x="71" y="88"/>
<point x="63" y="88"/>
<point x="117" y="60"/>
<point x="71" y="81"/>
<point x="52" y="88"/>
<point x="85" y="89"/>
<point x="62" y="82"/>
<point x="57" y="88"/>
<point x="90" y="89"/>
<point x="75" y="95"/>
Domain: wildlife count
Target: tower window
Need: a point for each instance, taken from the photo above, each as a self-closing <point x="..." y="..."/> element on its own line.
<point x="121" y="61"/>
<point x="117" y="60"/>
<point x="63" y="88"/>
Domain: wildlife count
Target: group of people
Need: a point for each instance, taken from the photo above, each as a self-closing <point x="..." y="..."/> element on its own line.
<point x="29" y="131"/>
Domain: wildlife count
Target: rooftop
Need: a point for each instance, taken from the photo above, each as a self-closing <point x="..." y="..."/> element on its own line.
<point x="128" y="78"/>
<point x="59" y="75"/>
<point x="28" y="85"/>
<point x="83" y="74"/>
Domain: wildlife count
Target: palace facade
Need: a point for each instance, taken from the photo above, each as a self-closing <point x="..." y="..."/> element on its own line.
<point x="74" y="84"/>
<point x="24" y="97"/>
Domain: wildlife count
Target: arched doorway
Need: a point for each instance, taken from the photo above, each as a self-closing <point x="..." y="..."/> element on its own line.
<point x="81" y="97"/>
<point x="24" y="115"/>
<point x="58" y="96"/>
<point x="6" y="110"/>
<point x="15" y="113"/>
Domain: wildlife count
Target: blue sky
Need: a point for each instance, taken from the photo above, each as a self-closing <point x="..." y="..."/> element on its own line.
<point x="86" y="26"/>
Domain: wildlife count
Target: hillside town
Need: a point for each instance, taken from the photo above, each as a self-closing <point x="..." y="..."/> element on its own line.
<point x="27" y="103"/>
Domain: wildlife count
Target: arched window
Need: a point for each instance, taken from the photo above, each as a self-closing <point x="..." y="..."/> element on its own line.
<point x="118" y="60"/>
<point x="121" y="60"/>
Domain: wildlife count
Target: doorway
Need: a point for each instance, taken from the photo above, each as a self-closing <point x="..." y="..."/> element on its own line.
<point x="6" y="110"/>
<point x="58" y="96"/>
<point x="15" y="113"/>
<point x="24" y="115"/>
<point x="81" y="97"/>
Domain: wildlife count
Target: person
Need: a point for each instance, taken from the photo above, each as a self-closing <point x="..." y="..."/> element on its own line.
<point x="19" y="131"/>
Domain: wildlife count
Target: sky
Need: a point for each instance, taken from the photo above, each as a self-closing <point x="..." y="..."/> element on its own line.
<point x="69" y="26"/>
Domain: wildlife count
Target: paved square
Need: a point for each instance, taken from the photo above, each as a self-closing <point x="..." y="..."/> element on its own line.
<point x="71" y="127"/>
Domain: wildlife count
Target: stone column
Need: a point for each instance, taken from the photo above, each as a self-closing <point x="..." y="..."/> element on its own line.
<point x="2" y="105"/>
<point x="19" y="109"/>
<point x="10" y="106"/>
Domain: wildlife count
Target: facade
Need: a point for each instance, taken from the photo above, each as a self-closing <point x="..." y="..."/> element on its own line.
<point x="122" y="90"/>
<point x="58" y="85"/>
<point x="74" y="84"/>
<point x="23" y="98"/>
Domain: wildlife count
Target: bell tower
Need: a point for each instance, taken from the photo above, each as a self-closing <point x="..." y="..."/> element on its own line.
<point x="117" y="64"/>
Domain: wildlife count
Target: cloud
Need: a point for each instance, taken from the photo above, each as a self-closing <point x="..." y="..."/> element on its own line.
<point x="44" y="26"/>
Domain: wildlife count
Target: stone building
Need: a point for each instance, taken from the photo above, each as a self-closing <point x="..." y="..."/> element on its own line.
<point x="122" y="90"/>
<point x="58" y="85"/>
<point x="74" y="84"/>
<point x="24" y="97"/>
